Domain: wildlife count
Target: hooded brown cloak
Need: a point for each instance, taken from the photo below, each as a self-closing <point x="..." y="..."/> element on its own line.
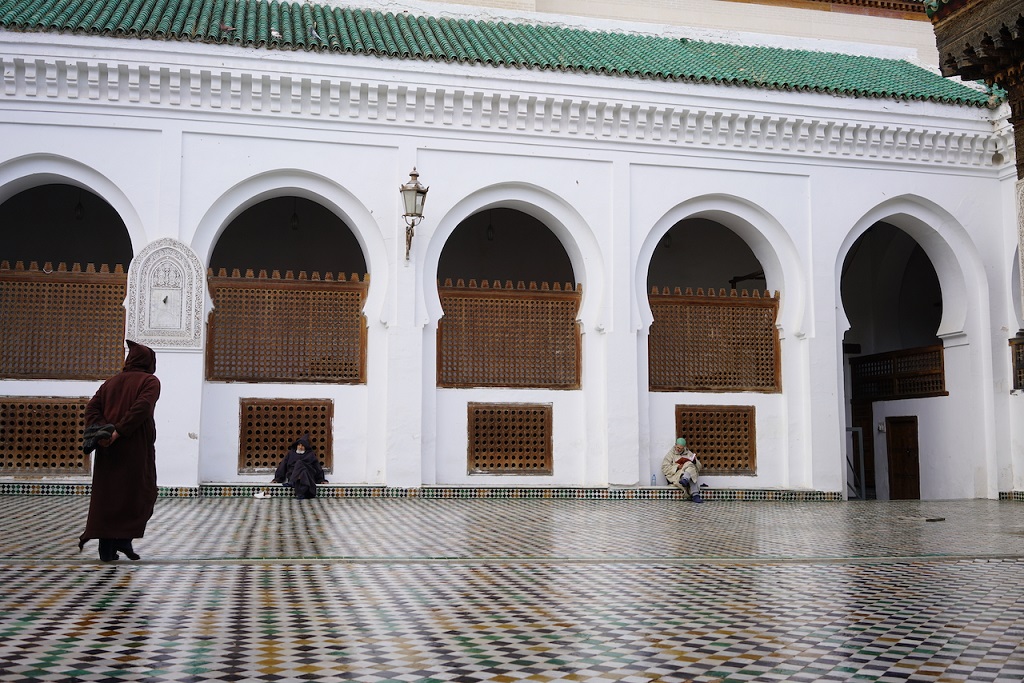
<point x="124" y="473"/>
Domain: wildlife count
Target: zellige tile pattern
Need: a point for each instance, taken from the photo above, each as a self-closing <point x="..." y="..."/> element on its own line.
<point x="278" y="589"/>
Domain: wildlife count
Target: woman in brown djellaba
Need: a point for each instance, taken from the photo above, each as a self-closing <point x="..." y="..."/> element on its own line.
<point x="119" y="419"/>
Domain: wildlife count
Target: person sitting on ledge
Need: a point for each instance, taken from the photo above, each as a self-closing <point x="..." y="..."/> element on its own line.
<point x="301" y="469"/>
<point x="681" y="468"/>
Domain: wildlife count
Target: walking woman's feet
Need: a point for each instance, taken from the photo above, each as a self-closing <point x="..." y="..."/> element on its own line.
<point x="108" y="553"/>
<point x="125" y="546"/>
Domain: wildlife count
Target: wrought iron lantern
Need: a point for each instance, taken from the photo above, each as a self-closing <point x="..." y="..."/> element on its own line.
<point x="413" y="196"/>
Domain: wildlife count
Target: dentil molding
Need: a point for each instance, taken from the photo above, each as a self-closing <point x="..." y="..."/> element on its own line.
<point x="449" y="107"/>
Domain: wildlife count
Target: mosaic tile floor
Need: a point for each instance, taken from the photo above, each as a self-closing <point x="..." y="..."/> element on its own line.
<point x="508" y="590"/>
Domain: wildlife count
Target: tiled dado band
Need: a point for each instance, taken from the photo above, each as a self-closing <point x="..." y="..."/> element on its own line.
<point x="433" y="492"/>
<point x="439" y="492"/>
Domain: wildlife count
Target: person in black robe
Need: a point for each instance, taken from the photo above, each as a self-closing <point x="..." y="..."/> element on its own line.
<point x="122" y="430"/>
<point x="301" y="469"/>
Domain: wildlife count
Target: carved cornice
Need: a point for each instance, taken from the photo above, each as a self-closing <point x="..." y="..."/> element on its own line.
<point x="330" y="100"/>
<point x="981" y="40"/>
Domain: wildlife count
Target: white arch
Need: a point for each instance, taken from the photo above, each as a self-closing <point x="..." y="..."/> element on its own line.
<point x="311" y="186"/>
<point x="24" y="173"/>
<point x="763" y="233"/>
<point x="559" y="217"/>
<point x="948" y="246"/>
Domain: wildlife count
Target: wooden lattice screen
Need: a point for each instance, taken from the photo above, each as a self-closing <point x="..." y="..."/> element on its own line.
<point x="287" y="329"/>
<point x="509" y="438"/>
<point x="42" y="435"/>
<point x="714" y="342"/>
<point x="909" y="373"/>
<point x="61" y="323"/>
<point x="1017" y="356"/>
<point x="494" y="336"/>
<point x="268" y="426"/>
<point x="723" y="437"/>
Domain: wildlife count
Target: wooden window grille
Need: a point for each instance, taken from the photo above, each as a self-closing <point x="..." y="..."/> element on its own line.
<point x="61" y="323"/>
<point x="723" y="437"/>
<point x="42" y="436"/>
<point x="714" y="342"/>
<point x="909" y="373"/>
<point x="287" y="329"/>
<point x="510" y="438"/>
<point x="1017" y="356"/>
<point x="269" y="426"/>
<point x="494" y="336"/>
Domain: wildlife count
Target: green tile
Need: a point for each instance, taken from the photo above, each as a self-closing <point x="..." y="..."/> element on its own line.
<point x="520" y="45"/>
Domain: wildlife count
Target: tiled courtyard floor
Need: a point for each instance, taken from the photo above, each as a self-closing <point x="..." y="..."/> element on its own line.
<point x="372" y="590"/>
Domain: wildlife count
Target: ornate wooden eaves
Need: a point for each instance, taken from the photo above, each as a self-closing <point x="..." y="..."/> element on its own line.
<point x="983" y="40"/>
<point x="980" y="39"/>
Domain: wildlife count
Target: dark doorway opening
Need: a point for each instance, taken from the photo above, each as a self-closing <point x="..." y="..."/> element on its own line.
<point x="59" y="223"/>
<point x="288" y="233"/>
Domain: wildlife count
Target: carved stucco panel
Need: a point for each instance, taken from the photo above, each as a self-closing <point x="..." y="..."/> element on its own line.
<point x="165" y="296"/>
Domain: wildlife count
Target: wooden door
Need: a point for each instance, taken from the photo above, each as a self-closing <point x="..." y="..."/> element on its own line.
<point x="904" y="463"/>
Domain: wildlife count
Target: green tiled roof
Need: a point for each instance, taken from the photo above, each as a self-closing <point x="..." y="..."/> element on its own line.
<point x="293" y="26"/>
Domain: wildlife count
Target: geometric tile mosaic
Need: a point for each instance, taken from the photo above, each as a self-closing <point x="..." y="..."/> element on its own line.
<point x="35" y="488"/>
<point x="46" y="528"/>
<point x="542" y="622"/>
<point x="412" y="589"/>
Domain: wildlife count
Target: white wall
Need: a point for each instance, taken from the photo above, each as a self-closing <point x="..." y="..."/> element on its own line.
<point x="609" y="165"/>
<point x="354" y="462"/>
<point x="772" y="434"/>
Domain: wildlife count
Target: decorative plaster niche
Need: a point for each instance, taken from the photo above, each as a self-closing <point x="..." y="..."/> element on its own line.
<point x="165" y="297"/>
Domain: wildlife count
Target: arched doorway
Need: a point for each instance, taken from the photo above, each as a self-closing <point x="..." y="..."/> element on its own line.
<point x="713" y="330"/>
<point x="510" y="304"/>
<point x="892" y="298"/>
<point x="288" y="282"/>
<point x="63" y="256"/>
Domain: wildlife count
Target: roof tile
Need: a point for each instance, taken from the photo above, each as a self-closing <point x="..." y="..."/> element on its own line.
<point x="291" y="25"/>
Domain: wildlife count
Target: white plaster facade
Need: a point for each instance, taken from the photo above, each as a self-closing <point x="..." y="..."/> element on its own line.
<point x="181" y="138"/>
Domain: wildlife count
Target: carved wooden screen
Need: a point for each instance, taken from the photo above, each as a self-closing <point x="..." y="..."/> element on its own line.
<point x="909" y="373"/>
<point x="494" y="336"/>
<point x="269" y="426"/>
<point x="42" y="435"/>
<point x="287" y="329"/>
<point x="723" y="437"/>
<point x="1017" y="356"/>
<point x="510" y="438"/>
<point x="57" y="323"/>
<point x="714" y="342"/>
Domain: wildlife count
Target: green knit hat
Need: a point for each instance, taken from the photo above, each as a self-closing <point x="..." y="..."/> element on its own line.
<point x="681" y="442"/>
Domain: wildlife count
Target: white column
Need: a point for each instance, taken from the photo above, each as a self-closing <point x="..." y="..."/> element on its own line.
<point x="403" y="385"/>
<point x="178" y="416"/>
<point x="622" y="402"/>
<point x="1020" y="236"/>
